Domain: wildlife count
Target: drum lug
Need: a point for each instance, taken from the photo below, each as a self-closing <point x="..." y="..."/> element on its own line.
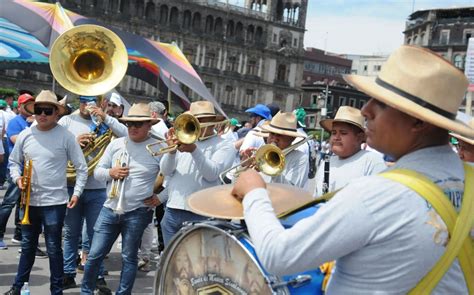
<point x="296" y="282"/>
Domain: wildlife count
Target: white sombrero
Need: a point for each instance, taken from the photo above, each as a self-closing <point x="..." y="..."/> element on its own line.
<point x="284" y="124"/>
<point x="139" y="112"/>
<point x="345" y="114"/>
<point x="421" y="84"/>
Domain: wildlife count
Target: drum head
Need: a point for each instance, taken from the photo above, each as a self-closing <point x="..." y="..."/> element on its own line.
<point x="207" y="260"/>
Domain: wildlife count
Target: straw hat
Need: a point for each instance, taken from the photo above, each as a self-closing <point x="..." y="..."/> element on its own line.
<point x="204" y="109"/>
<point x="284" y="124"/>
<point x="463" y="138"/>
<point x="258" y="131"/>
<point x="421" y="84"/>
<point x="45" y="97"/>
<point x="345" y="114"/>
<point x="139" y="112"/>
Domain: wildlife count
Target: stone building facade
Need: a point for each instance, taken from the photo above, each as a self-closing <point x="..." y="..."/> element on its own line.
<point x="244" y="55"/>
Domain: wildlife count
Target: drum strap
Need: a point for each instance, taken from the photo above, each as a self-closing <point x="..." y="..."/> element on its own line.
<point x="460" y="244"/>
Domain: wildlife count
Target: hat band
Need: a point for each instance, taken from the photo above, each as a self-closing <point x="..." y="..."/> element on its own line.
<point x="138" y="116"/>
<point x="205" y="114"/>
<point x="415" y="99"/>
<point x="283" y="128"/>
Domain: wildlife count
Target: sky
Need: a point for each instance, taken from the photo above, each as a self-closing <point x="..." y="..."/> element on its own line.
<point x="364" y="26"/>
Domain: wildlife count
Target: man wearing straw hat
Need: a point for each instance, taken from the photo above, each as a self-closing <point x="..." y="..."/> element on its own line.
<point x="384" y="236"/>
<point x="131" y="212"/>
<point x="282" y="132"/>
<point x="191" y="168"/>
<point x="349" y="160"/>
<point x="49" y="146"/>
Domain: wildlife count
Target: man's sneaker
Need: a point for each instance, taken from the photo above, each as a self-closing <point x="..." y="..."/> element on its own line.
<point x="13" y="291"/>
<point x="15" y="240"/>
<point x="144" y="265"/>
<point x="102" y="288"/>
<point x="40" y="254"/>
<point x="3" y="246"/>
<point x="69" y="283"/>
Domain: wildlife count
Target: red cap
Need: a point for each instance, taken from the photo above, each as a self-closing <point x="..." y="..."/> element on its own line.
<point x="24" y="98"/>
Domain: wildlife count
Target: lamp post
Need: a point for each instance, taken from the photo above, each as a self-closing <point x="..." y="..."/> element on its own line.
<point x="324" y="110"/>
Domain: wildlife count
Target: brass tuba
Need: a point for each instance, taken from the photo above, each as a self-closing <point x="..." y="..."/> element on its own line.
<point x="26" y="191"/>
<point x="89" y="60"/>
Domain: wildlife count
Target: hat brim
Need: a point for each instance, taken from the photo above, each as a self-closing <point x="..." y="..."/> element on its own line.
<point x="369" y="87"/>
<point x="140" y="119"/>
<point x="281" y="131"/>
<point x="463" y="138"/>
<point x="29" y="107"/>
<point x="327" y="124"/>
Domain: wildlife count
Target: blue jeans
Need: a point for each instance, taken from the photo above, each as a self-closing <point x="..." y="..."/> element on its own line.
<point x="51" y="218"/>
<point x="107" y="228"/>
<point x="4" y="171"/>
<point x="173" y="221"/>
<point x="9" y="201"/>
<point x="88" y="209"/>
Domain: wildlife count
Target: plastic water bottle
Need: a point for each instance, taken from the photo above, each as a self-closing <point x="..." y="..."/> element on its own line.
<point x="25" y="290"/>
<point x="94" y="119"/>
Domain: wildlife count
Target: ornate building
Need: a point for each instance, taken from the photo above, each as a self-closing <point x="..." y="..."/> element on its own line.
<point x="244" y="55"/>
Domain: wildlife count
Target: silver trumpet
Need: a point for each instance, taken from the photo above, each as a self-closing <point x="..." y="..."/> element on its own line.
<point x="117" y="188"/>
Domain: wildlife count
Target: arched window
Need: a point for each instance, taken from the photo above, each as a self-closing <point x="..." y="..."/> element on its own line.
<point x="230" y="29"/>
<point x="150" y="10"/>
<point x="239" y="31"/>
<point x="250" y="33"/>
<point x="197" y="22"/>
<point x="187" y="19"/>
<point x="140" y="12"/>
<point x="259" y="35"/>
<point x="174" y="16"/>
<point x="163" y="14"/>
<point x="218" y="27"/>
<point x="281" y="74"/>
<point x="209" y="24"/>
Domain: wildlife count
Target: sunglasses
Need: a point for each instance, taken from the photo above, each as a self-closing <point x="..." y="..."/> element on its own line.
<point x="47" y="111"/>
<point x="138" y="124"/>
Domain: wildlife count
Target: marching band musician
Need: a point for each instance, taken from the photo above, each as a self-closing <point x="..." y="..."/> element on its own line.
<point x="384" y="236"/>
<point x="259" y="114"/>
<point x="93" y="197"/>
<point x="191" y="168"/>
<point x="282" y="132"/>
<point x="136" y="200"/>
<point x="349" y="160"/>
<point x="50" y="146"/>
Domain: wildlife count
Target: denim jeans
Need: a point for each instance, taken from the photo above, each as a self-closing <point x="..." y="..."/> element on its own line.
<point x="88" y="209"/>
<point x="106" y="230"/>
<point x="173" y="221"/>
<point x="9" y="201"/>
<point x="4" y="171"/>
<point x="51" y="218"/>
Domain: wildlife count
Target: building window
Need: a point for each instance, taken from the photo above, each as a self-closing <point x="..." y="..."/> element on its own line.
<point x="295" y="42"/>
<point x="210" y="60"/>
<point x="228" y="94"/>
<point x="422" y="39"/>
<point x="275" y="37"/>
<point x="231" y="64"/>
<point x="468" y="34"/>
<point x="208" y="86"/>
<point x="352" y="102"/>
<point x="409" y="41"/>
<point x="189" y="53"/>
<point x="248" y="100"/>
<point x="342" y="101"/>
<point x="362" y="102"/>
<point x="281" y="74"/>
<point x="252" y="67"/>
<point x="365" y="68"/>
<point x="444" y="37"/>
<point x="459" y="61"/>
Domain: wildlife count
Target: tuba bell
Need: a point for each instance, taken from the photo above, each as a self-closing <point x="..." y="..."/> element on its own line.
<point x="88" y="60"/>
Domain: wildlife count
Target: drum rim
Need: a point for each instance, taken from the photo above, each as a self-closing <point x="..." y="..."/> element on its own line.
<point x="212" y="224"/>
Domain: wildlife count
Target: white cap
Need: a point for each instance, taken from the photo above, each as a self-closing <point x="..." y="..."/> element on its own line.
<point x="115" y="99"/>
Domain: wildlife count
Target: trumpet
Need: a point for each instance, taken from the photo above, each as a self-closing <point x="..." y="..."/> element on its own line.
<point x="188" y="130"/>
<point x="268" y="159"/>
<point x="26" y="191"/>
<point x="117" y="187"/>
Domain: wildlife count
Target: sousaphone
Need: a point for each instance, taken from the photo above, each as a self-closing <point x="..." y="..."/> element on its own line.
<point x="89" y="60"/>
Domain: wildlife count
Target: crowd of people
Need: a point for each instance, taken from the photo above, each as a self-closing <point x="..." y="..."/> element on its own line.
<point x="379" y="231"/>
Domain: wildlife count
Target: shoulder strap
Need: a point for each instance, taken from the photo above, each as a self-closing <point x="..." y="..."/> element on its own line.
<point x="460" y="244"/>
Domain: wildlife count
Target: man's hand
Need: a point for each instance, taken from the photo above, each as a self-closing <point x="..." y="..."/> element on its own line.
<point x="30" y="119"/>
<point x="96" y="111"/>
<point x="152" y="201"/>
<point x="247" y="181"/>
<point x="85" y="139"/>
<point x="186" y="148"/>
<point x="171" y="139"/>
<point x="73" y="202"/>
<point x="19" y="183"/>
<point x="119" y="172"/>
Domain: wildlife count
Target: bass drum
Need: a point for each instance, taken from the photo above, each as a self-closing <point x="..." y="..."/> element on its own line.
<point x="217" y="257"/>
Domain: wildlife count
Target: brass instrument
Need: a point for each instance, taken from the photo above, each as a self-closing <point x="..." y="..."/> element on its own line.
<point x="158" y="185"/>
<point x="188" y="130"/>
<point x="88" y="60"/>
<point x="268" y="159"/>
<point x="26" y="191"/>
<point x="118" y="185"/>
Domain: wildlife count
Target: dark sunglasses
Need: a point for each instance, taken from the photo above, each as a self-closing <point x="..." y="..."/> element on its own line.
<point x="138" y="124"/>
<point x="47" y="111"/>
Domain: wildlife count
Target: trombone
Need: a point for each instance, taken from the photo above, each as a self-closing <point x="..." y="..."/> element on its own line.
<point x="268" y="159"/>
<point x="26" y="191"/>
<point x="188" y="130"/>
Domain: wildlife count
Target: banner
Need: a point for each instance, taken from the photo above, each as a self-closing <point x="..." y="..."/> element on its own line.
<point x="469" y="66"/>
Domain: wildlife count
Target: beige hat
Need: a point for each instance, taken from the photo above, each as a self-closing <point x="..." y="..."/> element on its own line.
<point x="345" y="114"/>
<point x="139" y="112"/>
<point x="421" y="84"/>
<point x="463" y="138"/>
<point x="258" y="131"/>
<point x="284" y="124"/>
<point x="48" y="97"/>
<point x="204" y="109"/>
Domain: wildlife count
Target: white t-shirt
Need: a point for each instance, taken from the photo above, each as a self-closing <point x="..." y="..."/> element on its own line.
<point x="342" y="171"/>
<point x="252" y="140"/>
<point x="383" y="236"/>
<point x="160" y="129"/>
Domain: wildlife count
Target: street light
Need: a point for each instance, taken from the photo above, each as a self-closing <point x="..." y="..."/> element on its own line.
<point x="324" y="110"/>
